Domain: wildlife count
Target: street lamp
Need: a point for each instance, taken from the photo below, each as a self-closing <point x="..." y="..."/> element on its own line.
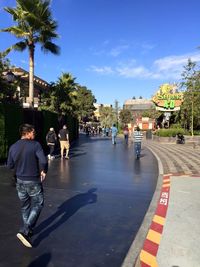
<point x="10" y="76"/>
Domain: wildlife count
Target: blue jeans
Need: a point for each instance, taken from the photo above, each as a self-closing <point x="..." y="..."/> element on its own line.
<point x="32" y="200"/>
<point x="113" y="139"/>
<point x="137" y="149"/>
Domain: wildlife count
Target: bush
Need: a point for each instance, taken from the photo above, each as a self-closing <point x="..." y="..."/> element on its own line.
<point x="171" y="132"/>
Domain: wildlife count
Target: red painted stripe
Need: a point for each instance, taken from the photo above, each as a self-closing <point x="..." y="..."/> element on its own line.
<point x="144" y="264"/>
<point x="150" y="247"/>
<point x="157" y="227"/>
<point x="161" y="210"/>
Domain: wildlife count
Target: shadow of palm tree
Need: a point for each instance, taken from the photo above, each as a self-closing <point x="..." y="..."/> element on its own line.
<point x="65" y="211"/>
<point x="42" y="260"/>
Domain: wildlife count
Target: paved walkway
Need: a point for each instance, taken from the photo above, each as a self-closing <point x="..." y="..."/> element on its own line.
<point x="169" y="235"/>
<point x="94" y="206"/>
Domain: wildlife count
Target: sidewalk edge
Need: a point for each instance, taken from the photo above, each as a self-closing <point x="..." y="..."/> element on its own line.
<point x="133" y="253"/>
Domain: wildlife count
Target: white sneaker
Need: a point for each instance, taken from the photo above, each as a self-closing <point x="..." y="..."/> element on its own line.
<point x="49" y="157"/>
<point x="52" y="157"/>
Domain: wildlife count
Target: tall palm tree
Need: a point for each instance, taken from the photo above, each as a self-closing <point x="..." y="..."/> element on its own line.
<point x="34" y="24"/>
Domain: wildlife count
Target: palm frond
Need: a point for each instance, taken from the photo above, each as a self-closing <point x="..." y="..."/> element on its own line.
<point x="17" y="31"/>
<point x="49" y="46"/>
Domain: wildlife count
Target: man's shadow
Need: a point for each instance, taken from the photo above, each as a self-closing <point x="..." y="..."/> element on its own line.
<point x="65" y="211"/>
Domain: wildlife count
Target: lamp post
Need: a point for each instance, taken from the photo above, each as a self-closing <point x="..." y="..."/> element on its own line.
<point x="10" y="76"/>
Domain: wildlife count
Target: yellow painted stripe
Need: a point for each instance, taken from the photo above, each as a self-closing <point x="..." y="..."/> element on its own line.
<point x="159" y="219"/>
<point x="166" y="185"/>
<point x="154" y="236"/>
<point x="166" y="181"/>
<point x="147" y="258"/>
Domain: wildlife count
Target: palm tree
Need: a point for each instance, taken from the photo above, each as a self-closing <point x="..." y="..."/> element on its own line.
<point x="34" y="25"/>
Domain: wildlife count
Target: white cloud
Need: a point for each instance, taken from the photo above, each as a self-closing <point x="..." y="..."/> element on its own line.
<point x="134" y="72"/>
<point x="118" y="50"/>
<point x="169" y="67"/>
<point x="101" y="70"/>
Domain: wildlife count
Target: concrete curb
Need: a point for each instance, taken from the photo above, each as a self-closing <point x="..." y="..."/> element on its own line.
<point x="131" y="258"/>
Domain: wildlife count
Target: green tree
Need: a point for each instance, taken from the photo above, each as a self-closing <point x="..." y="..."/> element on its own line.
<point x="125" y="116"/>
<point x="7" y="90"/>
<point x="34" y="24"/>
<point x="190" y="109"/>
<point x="83" y="103"/>
<point x="61" y="96"/>
<point x="107" y="116"/>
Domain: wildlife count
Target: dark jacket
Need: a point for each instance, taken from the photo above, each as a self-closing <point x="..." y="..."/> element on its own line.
<point x="51" y="137"/>
<point x="28" y="160"/>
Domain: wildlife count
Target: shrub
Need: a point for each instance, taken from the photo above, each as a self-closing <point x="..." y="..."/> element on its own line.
<point x="171" y="132"/>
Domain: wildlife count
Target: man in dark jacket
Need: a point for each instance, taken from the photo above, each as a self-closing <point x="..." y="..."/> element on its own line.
<point x="27" y="159"/>
<point x="51" y="139"/>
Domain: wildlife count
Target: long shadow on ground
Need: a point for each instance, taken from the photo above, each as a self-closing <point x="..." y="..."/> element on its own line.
<point x="65" y="210"/>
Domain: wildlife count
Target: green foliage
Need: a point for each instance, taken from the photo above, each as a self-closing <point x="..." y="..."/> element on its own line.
<point x="108" y="116"/>
<point x="83" y="103"/>
<point x="153" y="113"/>
<point x="189" y="115"/>
<point x="33" y="25"/>
<point x="9" y="126"/>
<point x="125" y="116"/>
<point x="8" y="90"/>
<point x="60" y="97"/>
<point x="171" y="132"/>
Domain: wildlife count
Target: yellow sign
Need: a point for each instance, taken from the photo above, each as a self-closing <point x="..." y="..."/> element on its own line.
<point x="167" y="98"/>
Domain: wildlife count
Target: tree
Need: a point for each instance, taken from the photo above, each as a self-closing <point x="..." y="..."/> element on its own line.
<point x="7" y="90"/>
<point x="190" y="109"/>
<point x="107" y="116"/>
<point x="34" y="24"/>
<point x="60" y="97"/>
<point x="83" y="103"/>
<point x="125" y="116"/>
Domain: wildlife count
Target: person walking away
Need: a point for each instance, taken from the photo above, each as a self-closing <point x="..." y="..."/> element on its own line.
<point x="27" y="158"/>
<point x="64" y="141"/>
<point x="51" y="140"/>
<point x="137" y="135"/>
<point x="126" y="133"/>
<point x="114" y="132"/>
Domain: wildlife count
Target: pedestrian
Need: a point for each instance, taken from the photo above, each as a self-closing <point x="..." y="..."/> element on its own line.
<point x="126" y="134"/>
<point x="114" y="132"/>
<point x="51" y="139"/>
<point x="64" y="141"/>
<point x="27" y="158"/>
<point x="107" y="131"/>
<point x="137" y="136"/>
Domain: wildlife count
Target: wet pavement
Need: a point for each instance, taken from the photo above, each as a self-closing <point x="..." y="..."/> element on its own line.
<point x="94" y="206"/>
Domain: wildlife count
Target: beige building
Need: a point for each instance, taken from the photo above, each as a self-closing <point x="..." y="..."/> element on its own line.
<point x="137" y="107"/>
<point x="22" y="77"/>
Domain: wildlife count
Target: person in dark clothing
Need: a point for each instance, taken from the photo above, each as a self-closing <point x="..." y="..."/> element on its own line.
<point x="30" y="165"/>
<point x="51" y="139"/>
<point x="64" y="142"/>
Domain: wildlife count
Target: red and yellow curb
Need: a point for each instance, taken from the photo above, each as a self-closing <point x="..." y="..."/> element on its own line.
<point x="148" y="254"/>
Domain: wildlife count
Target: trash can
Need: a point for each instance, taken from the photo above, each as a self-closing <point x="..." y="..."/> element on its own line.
<point x="149" y="134"/>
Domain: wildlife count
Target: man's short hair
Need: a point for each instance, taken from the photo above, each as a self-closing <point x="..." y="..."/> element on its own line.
<point x="26" y="128"/>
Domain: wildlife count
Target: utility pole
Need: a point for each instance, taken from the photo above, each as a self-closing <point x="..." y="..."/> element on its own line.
<point x="117" y="110"/>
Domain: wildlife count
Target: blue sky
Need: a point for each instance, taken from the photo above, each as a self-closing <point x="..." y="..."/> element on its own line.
<point x="116" y="48"/>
